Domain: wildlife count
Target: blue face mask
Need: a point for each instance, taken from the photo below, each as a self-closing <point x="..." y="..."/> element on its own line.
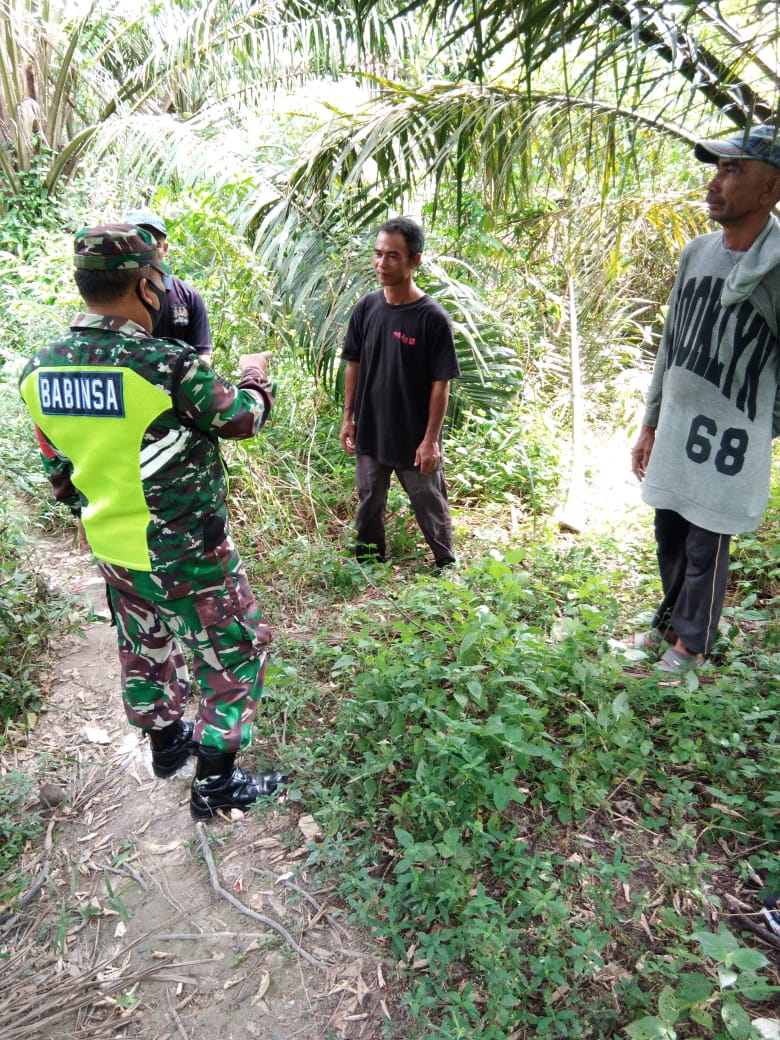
<point x="155" y="315"/>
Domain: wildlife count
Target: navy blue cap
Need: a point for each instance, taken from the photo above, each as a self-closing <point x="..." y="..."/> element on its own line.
<point x="755" y="142"/>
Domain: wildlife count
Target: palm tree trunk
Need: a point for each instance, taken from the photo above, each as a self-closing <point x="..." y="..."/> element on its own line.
<point x="571" y="517"/>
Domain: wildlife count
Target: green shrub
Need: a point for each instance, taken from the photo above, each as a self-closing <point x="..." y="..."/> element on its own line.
<point x="464" y="781"/>
<point x="31" y="614"/>
<point x="19" y="824"/>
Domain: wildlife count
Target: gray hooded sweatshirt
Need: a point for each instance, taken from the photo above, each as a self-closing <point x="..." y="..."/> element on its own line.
<point x="714" y="398"/>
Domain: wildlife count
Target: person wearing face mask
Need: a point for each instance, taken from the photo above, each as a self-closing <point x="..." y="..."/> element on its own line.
<point x="128" y="427"/>
<point x="183" y="315"/>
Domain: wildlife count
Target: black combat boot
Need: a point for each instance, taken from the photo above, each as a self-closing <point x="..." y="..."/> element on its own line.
<point x="171" y="747"/>
<point x="220" y="784"/>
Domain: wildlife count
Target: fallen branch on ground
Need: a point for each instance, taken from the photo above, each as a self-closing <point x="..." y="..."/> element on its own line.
<point x="39" y="1003"/>
<point x="224" y="894"/>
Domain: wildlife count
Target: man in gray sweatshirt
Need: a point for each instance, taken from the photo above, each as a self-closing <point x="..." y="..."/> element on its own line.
<point x="704" y="448"/>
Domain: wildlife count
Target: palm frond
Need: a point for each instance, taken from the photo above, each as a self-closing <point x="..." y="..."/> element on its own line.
<point x="723" y="60"/>
<point x="509" y="143"/>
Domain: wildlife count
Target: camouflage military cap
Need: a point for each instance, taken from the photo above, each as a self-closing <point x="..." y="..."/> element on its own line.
<point x="115" y="247"/>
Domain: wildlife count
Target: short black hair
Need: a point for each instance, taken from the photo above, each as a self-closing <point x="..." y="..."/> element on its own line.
<point x="106" y="286"/>
<point x="410" y="229"/>
<point x="157" y="235"/>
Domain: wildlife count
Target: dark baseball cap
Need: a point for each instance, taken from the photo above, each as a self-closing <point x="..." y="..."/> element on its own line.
<point x="115" y="247"/>
<point x="756" y="142"/>
<point x="146" y="219"/>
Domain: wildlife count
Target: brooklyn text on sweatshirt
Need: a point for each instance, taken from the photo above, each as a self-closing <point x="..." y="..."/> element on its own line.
<point x="702" y="324"/>
<point x="714" y="399"/>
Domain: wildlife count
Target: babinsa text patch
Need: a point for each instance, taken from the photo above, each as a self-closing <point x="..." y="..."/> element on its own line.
<point x="81" y="393"/>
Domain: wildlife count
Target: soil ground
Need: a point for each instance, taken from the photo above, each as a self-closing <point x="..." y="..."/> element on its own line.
<point x="141" y="923"/>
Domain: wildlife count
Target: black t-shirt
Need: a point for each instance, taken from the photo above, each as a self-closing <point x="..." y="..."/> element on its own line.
<point x="184" y="316"/>
<point x="402" y="350"/>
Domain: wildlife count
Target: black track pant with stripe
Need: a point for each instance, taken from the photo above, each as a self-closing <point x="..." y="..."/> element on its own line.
<point x="694" y="566"/>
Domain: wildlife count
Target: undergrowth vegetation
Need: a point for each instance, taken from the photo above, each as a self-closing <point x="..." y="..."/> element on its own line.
<point x="546" y="837"/>
<point x="539" y="828"/>
<point x="549" y="840"/>
<point x="31" y="614"/>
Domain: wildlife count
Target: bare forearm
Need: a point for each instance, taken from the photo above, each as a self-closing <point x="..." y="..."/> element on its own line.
<point x="428" y="455"/>
<point x="347" y="432"/>
<point x="437" y="409"/>
<point x="641" y="451"/>
<point x="350" y="388"/>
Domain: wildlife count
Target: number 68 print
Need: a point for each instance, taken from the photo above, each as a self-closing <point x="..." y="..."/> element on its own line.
<point x="702" y="438"/>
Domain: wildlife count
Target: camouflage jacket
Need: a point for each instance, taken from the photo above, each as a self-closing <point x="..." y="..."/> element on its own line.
<point x="129" y="429"/>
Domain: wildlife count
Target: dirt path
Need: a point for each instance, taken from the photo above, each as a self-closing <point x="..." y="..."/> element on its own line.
<point x="140" y="923"/>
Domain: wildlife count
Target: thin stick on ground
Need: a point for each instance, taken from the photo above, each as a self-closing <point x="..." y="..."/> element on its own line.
<point x="224" y="894"/>
<point x="175" y="1017"/>
<point x="321" y="911"/>
<point x="748" y="923"/>
<point x="28" y="1012"/>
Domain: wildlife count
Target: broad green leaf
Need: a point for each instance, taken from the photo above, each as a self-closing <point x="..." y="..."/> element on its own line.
<point x="667" y="1006"/>
<point x="747" y="960"/>
<point x="727" y="977"/>
<point x="650" y="1028"/>
<point x="736" y="1020"/>
<point x="621" y="705"/>
<point x="717" y="946"/>
<point x="693" y="988"/>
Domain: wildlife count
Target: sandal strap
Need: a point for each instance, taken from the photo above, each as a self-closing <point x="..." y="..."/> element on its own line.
<point x="676" y="663"/>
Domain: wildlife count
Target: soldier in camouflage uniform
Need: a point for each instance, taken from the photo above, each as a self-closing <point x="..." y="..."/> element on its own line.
<point x="128" y="426"/>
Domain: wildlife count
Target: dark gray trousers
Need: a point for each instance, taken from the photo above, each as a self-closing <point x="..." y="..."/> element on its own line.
<point x="427" y="496"/>
<point x="694" y="566"/>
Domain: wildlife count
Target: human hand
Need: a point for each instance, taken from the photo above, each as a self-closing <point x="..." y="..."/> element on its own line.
<point x="347" y="436"/>
<point x="254" y="361"/>
<point x="640" y="453"/>
<point x="427" y="456"/>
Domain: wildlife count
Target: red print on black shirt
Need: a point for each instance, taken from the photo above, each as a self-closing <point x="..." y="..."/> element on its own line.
<point x="411" y="340"/>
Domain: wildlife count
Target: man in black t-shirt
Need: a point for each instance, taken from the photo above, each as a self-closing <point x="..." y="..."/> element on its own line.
<point x="400" y="356"/>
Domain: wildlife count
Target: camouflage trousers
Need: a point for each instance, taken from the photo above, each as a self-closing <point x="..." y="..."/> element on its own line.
<point x="208" y="608"/>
